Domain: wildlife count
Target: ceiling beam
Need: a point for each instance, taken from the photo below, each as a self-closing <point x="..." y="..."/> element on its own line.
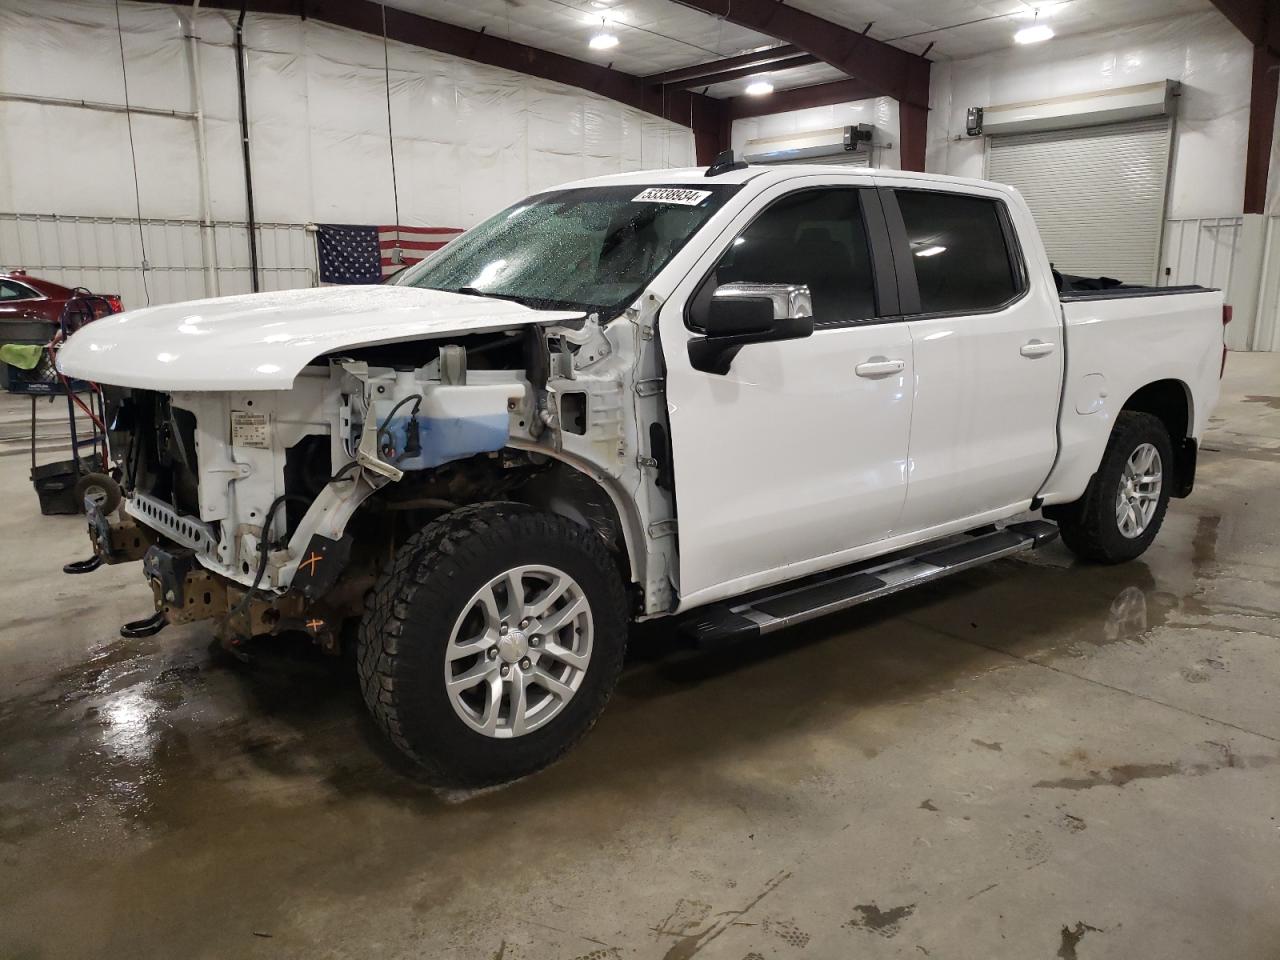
<point x="757" y="59"/>
<point x="886" y="70"/>
<point x="1248" y="16"/>
<point x="741" y="73"/>
<point x="799" y="98"/>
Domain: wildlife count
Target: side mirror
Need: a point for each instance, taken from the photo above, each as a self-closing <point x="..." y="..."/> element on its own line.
<point x="739" y="309"/>
<point x="738" y="314"/>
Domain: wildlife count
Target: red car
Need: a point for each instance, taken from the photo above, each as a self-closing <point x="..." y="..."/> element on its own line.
<point x="31" y="308"/>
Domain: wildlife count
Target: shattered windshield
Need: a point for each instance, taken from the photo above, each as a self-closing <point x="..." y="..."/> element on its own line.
<point x="590" y="249"/>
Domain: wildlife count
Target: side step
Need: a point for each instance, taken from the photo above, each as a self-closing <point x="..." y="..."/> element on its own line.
<point x="814" y="597"/>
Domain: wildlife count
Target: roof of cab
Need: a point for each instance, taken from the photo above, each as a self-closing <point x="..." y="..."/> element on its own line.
<point x="766" y="174"/>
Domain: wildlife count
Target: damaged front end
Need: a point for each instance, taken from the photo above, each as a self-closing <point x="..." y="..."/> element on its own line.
<point x="276" y="510"/>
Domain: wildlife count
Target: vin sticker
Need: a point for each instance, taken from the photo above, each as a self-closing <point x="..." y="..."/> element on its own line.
<point x="688" y="198"/>
<point x="249" y="430"/>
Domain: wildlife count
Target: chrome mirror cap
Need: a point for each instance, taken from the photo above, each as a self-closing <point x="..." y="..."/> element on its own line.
<point x="791" y="301"/>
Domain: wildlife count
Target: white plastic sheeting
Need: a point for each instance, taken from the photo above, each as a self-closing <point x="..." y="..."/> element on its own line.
<point x="881" y="112"/>
<point x="469" y="138"/>
<point x="1204" y="52"/>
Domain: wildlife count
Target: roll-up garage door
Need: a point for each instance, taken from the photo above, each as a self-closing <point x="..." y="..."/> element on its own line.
<point x="845" y="159"/>
<point x="1097" y="193"/>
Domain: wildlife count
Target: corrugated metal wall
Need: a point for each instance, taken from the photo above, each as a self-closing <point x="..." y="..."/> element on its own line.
<point x="105" y="255"/>
<point x="1264" y="331"/>
<point x="1200" y="251"/>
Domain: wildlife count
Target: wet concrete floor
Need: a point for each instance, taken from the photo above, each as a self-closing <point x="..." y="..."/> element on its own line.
<point x="1034" y="760"/>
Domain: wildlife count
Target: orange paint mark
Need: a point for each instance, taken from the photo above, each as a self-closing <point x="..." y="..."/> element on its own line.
<point x="314" y="625"/>
<point x="313" y="561"/>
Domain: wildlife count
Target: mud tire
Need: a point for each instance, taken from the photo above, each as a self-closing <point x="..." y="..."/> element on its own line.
<point x="410" y="613"/>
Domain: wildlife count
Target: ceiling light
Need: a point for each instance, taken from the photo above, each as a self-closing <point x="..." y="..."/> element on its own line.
<point x="758" y="88"/>
<point x="603" y="41"/>
<point x="1040" y="32"/>
<point x="930" y="251"/>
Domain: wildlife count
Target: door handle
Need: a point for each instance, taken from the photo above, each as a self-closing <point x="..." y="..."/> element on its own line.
<point x="879" y="367"/>
<point x="1037" y="348"/>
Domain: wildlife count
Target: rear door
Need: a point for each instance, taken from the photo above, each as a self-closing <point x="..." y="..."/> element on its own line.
<point x="987" y="343"/>
<point x="797" y="455"/>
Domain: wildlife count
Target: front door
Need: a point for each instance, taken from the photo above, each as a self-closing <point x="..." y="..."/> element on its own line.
<point x="797" y="456"/>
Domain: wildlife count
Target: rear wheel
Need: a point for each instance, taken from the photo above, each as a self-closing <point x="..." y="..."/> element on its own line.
<point x="1124" y="505"/>
<point x="492" y="642"/>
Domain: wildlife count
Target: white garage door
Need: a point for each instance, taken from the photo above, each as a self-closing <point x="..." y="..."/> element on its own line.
<point x="1097" y="193"/>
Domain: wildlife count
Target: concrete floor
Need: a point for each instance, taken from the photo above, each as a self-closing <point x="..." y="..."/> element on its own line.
<point x="1032" y="760"/>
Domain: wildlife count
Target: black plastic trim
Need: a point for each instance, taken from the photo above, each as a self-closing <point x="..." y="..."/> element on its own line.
<point x="718" y="624"/>
<point x="818" y="595"/>
<point x="1185" y="456"/>
<point x="1128" y="293"/>
<point x="974" y="549"/>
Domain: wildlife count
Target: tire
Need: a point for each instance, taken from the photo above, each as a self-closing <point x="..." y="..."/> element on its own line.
<point x="444" y="592"/>
<point x="102" y="488"/>
<point x="1093" y="527"/>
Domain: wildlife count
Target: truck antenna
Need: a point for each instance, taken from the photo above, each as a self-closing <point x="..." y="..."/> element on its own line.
<point x="723" y="163"/>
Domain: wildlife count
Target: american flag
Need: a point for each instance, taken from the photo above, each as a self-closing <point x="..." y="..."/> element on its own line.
<point x="351" y="253"/>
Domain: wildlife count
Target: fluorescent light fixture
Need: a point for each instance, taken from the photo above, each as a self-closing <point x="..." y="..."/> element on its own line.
<point x="603" y="41"/>
<point x="930" y="251"/>
<point x="1037" y="34"/>
<point x="758" y="88"/>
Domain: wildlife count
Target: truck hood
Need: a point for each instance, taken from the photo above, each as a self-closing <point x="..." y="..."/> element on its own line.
<point x="262" y="341"/>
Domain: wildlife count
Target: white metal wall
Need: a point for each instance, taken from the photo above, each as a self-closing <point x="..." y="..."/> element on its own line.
<point x="1200" y="251"/>
<point x="105" y="254"/>
<point x="1263" y="330"/>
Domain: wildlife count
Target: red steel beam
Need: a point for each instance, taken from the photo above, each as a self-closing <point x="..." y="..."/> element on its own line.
<point x="1259" y="21"/>
<point x="1262" y="113"/>
<point x="887" y="70"/>
<point x="875" y="68"/>
<point x="1248" y="16"/>
<point x="741" y="73"/>
<point x="699" y="70"/>
<point x="799" y="98"/>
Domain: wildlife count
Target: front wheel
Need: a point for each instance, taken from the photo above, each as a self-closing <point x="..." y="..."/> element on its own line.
<point x="492" y="642"/>
<point x="1124" y="505"/>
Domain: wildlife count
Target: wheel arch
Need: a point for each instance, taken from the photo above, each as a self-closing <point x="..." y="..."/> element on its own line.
<point x="1171" y="402"/>
<point x="574" y="489"/>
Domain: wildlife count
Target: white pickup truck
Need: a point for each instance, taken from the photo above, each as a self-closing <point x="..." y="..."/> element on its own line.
<point x="740" y="396"/>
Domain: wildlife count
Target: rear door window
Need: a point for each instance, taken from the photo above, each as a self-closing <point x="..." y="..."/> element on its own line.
<point x="960" y="250"/>
<point x="15" y="291"/>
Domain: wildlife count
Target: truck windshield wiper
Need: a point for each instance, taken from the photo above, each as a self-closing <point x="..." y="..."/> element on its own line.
<point x="476" y="292"/>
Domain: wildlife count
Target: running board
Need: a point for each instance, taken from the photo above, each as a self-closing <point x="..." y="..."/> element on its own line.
<point x="793" y="603"/>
